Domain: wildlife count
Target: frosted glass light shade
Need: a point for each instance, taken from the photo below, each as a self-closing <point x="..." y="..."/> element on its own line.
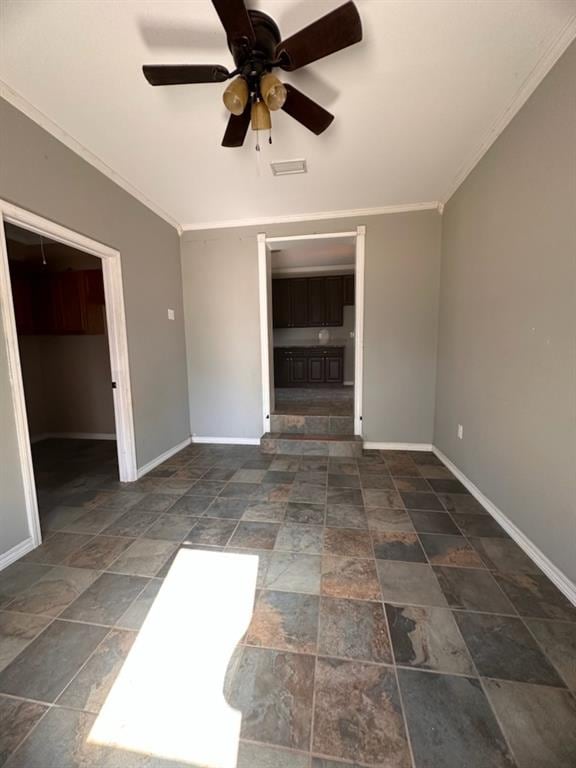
<point x="236" y="96"/>
<point x="273" y="91"/>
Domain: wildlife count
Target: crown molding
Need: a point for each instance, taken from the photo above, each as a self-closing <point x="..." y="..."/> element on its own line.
<point x="526" y="89"/>
<point x="38" y="117"/>
<point x="348" y="213"/>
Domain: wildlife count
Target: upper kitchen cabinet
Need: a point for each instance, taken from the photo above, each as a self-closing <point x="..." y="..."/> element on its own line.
<point x="305" y="302"/>
<point x="334" y="302"/>
<point x="281" y="303"/>
<point x="299" y="304"/>
<point x="349" y="290"/>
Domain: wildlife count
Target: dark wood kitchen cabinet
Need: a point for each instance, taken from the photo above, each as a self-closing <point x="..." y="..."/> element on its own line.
<point x="299" y="308"/>
<point x="281" y="303"/>
<point x="305" y="302"/>
<point x="349" y="290"/>
<point x="334" y="302"/>
<point x="308" y="366"/>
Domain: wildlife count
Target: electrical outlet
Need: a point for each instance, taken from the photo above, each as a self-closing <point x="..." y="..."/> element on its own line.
<point x="170" y="314"/>
<point x="460" y="431"/>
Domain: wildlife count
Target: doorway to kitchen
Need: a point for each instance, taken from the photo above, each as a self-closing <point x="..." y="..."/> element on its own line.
<point x="311" y="302"/>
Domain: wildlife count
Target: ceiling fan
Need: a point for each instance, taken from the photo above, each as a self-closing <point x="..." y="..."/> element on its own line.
<point x="257" y="48"/>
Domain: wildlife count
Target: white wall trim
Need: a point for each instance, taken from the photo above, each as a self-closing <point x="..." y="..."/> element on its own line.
<point x="264" y="266"/>
<point x="526" y="89"/>
<point x="16" y="553"/>
<point x="350" y="213"/>
<point x="281" y="239"/>
<point x="348" y="383"/>
<point x="163" y="457"/>
<point x="564" y="584"/>
<point x="117" y="340"/>
<point x="23" y="105"/>
<point x="398" y="446"/>
<point x="226" y="440"/>
<point x="73" y="436"/>
<point x="359" y="328"/>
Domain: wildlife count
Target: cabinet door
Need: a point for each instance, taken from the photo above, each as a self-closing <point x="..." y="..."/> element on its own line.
<point x="334" y="299"/>
<point x="281" y="303"/>
<point x="316" y="301"/>
<point x="316" y="369"/>
<point x="69" y="301"/>
<point x="298" y="369"/>
<point x="349" y="290"/>
<point x="334" y="367"/>
<point x="299" y="302"/>
<point x="281" y="369"/>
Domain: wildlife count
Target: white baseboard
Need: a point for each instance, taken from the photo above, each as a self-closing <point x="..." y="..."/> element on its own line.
<point x="227" y="440"/>
<point x="162" y="458"/>
<point x="73" y="436"/>
<point x="398" y="446"/>
<point x="16" y="553"/>
<point x="564" y="584"/>
<point x="348" y="383"/>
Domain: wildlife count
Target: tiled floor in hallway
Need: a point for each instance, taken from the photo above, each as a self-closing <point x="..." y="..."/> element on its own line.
<point x="395" y="624"/>
<point x="315" y="401"/>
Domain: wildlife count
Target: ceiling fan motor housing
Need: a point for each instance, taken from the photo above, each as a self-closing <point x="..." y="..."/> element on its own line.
<point x="267" y="38"/>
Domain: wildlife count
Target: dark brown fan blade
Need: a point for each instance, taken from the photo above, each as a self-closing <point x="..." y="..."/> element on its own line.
<point x="235" y="20"/>
<point x="301" y="108"/>
<point x="184" y="74"/>
<point x="338" y="29"/>
<point x="237" y="128"/>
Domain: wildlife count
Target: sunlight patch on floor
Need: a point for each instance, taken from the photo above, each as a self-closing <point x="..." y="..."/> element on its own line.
<point x="168" y="698"/>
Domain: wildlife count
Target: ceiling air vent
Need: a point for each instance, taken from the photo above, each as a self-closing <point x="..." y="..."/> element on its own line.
<point x="288" y="167"/>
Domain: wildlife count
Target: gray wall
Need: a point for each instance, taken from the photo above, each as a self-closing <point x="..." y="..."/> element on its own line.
<point x="220" y="274"/>
<point x="507" y="340"/>
<point x="42" y="175"/>
<point x="67" y="384"/>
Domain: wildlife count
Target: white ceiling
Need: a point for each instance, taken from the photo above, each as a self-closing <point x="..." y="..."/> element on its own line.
<point x="416" y="103"/>
<point x="316" y="254"/>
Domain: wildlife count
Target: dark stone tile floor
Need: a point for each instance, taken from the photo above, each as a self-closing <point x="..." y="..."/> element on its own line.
<point x="395" y="624"/>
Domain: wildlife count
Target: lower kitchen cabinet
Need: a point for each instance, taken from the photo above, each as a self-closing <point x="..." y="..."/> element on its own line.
<point x="308" y="366"/>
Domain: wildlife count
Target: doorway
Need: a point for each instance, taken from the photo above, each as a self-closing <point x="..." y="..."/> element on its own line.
<point x="312" y="317"/>
<point x="64" y="329"/>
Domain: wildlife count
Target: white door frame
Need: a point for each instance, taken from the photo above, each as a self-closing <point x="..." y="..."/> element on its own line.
<point x="359" y="235"/>
<point x="117" y="340"/>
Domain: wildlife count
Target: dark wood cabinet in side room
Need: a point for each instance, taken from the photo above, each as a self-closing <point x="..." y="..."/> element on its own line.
<point x="299" y="303"/>
<point x="68" y="302"/>
<point x="349" y="290"/>
<point x="281" y="303"/>
<point x="333" y="307"/>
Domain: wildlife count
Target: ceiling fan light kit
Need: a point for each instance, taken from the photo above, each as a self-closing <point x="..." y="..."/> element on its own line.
<point x="257" y="48"/>
<point x="236" y="96"/>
